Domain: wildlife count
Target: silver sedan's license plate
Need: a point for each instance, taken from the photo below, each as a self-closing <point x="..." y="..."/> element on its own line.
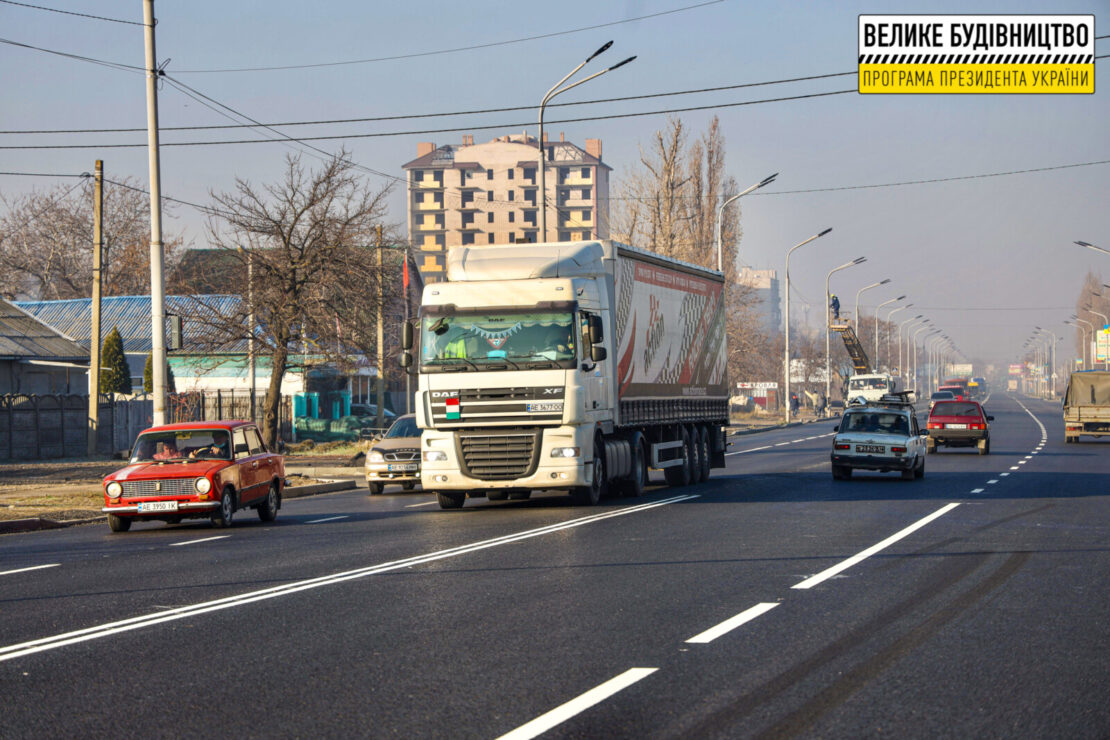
<point x="403" y="467"/>
<point x="870" y="448"/>
<point x="148" y="506"/>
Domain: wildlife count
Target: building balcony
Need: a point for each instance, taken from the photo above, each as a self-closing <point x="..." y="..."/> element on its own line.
<point x="429" y="184"/>
<point x="575" y="180"/>
<point x="433" y="206"/>
<point x="430" y="227"/>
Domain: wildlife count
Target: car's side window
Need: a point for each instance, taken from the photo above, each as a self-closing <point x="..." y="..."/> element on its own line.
<point x="240" y="442"/>
<point x="255" y="441"/>
<point x="916" y="428"/>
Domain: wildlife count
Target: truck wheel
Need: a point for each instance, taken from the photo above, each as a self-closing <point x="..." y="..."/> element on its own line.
<point x="118" y="523"/>
<point x="408" y="486"/>
<point x="450" y="499"/>
<point x="696" y="458"/>
<point x="633" y="486"/>
<point x="375" y="489"/>
<point x="221" y="517"/>
<point x="706" y="463"/>
<point x="591" y="494"/>
<point x="679" y="475"/>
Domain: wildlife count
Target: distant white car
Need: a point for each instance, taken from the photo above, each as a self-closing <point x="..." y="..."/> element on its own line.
<point x="882" y="436"/>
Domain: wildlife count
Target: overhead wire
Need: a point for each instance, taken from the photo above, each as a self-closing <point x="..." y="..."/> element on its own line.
<point x="71" y="12"/>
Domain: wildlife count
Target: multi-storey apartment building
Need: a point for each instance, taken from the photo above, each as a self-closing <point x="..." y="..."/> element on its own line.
<point x="489" y="194"/>
<point x="765" y="283"/>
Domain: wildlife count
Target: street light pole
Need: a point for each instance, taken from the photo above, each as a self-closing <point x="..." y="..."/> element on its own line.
<point x="884" y="303"/>
<point x="1086" y="342"/>
<point x="720" y="213"/>
<point x="920" y="329"/>
<point x="557" y="90"/>
<point x="1053" y="335"/>
<point x="786" y="328"/>
<point x="828" y="349"/>
<point x="888" y="333"/>
<point x="901" y="368"/>
<point x="858" y="320"/>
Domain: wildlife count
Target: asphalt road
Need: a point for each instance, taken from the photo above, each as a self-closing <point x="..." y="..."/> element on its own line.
<point x="768" y="601"/>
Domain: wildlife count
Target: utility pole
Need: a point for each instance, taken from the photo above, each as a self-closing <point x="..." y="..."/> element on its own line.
<point x="94" y="334"/>
<point x="380" y="421"/>
<point x="157" y="289"/>
<point x="405" y="289"/>
<point x="250" y="328"/>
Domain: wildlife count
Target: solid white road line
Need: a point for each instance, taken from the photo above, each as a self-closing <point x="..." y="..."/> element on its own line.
<point x="753" y="449"/>
<point x="185" y="612"/>
<point x="561" y="714"/>
<point x="206" y="539"/>
<point x="24" y="570"/>
<point x="329" y="519"/>
<point x="780" y="444"/>
<point x="846" y="564"/>
<point x="728" y="625"/>
<point x="426" y="503"/>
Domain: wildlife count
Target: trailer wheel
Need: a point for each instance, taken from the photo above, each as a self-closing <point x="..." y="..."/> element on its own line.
<point x="679" y="475"/>
<point x="706" y="462"/>
<point x="697" y="458"/>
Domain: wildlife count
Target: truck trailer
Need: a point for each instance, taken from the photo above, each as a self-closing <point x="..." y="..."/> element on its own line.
<point x="573" y="367"/>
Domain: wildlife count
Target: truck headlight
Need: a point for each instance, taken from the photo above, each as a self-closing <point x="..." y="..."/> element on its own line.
<point x="564" y="452"/>
<point x="435" y="456"/>
<point x="114" y="489"/>
<point x="203" y="485"/>
<point x="375" y="456"/>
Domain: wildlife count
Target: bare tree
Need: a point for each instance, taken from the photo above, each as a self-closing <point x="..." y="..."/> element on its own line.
<point x="309" y="241"/>
<point x="46" y="243"/>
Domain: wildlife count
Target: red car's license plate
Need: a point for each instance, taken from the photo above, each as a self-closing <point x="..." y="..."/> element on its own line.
<point x="870" y="448"/>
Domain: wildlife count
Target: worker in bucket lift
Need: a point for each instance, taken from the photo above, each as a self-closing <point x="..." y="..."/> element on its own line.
<point x="834" y="304"/>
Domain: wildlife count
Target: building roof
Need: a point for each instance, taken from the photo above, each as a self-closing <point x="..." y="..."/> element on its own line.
<point x="24" y="337"/>
<point x="130" y="314"/>
<point x="450" y="156"/>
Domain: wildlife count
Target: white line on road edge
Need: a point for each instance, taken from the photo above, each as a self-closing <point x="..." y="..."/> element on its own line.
<point x="780" y="444"/>
<point x="24" y="570"/>
<point x="329" y="519"/>
<point x="845" y="565"/>
<point x="728" y="625"/>
<point x="426" y="503"/>
<point x="561" y="714"/>
<point x="193" y="542"/>
<point x="184" y="612"/>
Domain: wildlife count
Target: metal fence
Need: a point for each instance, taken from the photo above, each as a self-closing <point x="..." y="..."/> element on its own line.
<point x="36" y="427"/>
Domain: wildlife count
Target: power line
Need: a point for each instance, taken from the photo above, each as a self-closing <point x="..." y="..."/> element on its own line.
<point x="70" y="12"/>
<point x="453" y="50"/>
<point x="510" y="109"/>
<point x="446" y="130"/>
<point x="50" y="204"/>
<point x="78" y="57"/>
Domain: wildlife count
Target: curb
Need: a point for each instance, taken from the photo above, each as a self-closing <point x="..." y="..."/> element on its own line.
<point x="328" y="487"/>
<point x="325" y="471"/>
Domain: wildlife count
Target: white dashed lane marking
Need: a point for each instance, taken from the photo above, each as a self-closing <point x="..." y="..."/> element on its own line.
<point x="196" y="542"/>
<point x="976" y="490"/>
<point x="328" y="519"/>
<point x="732" y="623"/>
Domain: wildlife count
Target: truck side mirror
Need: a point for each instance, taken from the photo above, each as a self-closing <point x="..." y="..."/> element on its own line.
<point x="597" y="333"/>
<point x="406" y="358"/>
<point x="406" y="339"/>
<point x="597" y="354"/>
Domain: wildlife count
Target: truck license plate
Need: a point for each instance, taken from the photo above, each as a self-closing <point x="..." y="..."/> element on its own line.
<point x="148" y="506"/>
<point x="403" y="468"/>
<point x="870" y="448"/>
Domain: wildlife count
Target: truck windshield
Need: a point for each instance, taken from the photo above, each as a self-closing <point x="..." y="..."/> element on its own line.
<point x="868" y="384"/>
<point x="501" y="340"/>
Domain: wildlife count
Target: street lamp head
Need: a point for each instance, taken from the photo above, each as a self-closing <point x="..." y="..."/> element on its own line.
<point x="620" y="64"/>
<point x="602" y="50"/>
<point x="884" y="281"/>
<point x="859" y="260"/>
<point x="825" y="231"/>
<point x="1084" y="244"/>
<point x="900" y="298"/>
<point x="768" y="180"/>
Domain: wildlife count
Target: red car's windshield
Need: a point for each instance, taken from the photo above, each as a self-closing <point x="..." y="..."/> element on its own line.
<point x="190" y="444"/>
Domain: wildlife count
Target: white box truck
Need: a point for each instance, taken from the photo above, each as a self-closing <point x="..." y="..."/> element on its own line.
<point x="568" y="366"/>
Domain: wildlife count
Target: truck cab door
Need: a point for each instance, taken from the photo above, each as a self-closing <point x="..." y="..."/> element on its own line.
<point x="591" y="374"/>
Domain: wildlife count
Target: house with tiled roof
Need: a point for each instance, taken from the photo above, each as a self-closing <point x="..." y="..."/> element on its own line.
<point x="38" y="359"/>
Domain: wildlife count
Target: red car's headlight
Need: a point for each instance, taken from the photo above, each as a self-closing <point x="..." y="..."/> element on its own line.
<point x="114" y="489"/>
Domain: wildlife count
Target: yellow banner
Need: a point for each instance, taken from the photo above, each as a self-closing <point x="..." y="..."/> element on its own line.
<point x="1045" y="79"/>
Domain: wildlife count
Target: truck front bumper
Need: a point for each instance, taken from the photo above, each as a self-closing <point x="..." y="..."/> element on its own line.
<point x="453" y="470"/>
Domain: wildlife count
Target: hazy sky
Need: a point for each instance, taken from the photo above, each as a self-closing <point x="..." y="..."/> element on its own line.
<point x="985" y="258"/>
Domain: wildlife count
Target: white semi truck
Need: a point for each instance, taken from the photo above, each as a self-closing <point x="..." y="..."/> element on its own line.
<point x="568" y="366"/>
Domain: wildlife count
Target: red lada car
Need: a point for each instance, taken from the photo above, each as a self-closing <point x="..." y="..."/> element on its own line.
<point x="195" y="469"/>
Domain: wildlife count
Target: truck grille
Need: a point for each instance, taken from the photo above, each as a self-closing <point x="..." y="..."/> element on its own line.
<point x="401" y="455"/>
<point x="499" y="456"/>
<point x="169" y="487"/>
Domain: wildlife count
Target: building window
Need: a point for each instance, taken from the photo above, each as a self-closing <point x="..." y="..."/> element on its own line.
<point x="564" y="236"/>
<point x="530" y="236"/>
<point x="585" y="173"/>
<point x="583" y="236"/>
<point x="489" y="238"/>
<point x="468" y="237"/>
<point x="441" y="241"/>
<point x="418" y="175"/>
<point x="468" y="219"/>
<point x="512" y="217"/>
<point x="564" y="173"/>
<point x="511" y="173"/>
<point x="511" y="194"/>
<point x="512" y="237"/>
<point x="463" y="175"/>
<point x="530" y="217"/>
<point x="489" y="217"/>
<point x="530" y="174"/>
<point x="468" y="198"/>
<point x="585" y="193"/>
<point x="587" y="214"/>
<point x="489" y="196"/>
<point x="489" y="174"/>
<point x="530" y="196"/>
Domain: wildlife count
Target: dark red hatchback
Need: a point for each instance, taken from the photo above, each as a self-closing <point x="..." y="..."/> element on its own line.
<point x="958" y="424"/>
<point x="195" y="469"/>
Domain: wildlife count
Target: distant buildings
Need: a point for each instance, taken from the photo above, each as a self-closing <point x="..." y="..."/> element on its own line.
<point x="765" y="283"/>
<point x="488" y="194"/>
